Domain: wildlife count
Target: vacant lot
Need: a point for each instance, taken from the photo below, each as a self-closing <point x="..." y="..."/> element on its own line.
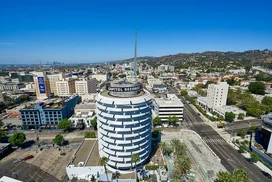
<point x="47" y="165"/>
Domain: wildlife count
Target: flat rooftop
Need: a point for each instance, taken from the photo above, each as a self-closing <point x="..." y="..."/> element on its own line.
<point x="105" y="93"/>
<point x="170" y="100"/>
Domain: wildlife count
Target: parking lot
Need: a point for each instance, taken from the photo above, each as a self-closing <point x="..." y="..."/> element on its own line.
<point x="47" y="165"/>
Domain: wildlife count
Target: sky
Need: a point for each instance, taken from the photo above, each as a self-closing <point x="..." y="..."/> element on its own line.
<point x="97" y="30"/>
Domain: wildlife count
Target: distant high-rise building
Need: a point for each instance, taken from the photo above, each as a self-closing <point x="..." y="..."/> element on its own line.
<point x="41" y="84"/>
<point x="124" y="114"/>
<point x="85" y="86"/>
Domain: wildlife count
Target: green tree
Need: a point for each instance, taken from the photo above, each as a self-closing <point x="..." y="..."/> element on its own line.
<point x="241" y="133"/>
<point x="172" y="120"/>
<point x="254" y="112"/>
<point x="166" y="148"/>
<point x="267" y="100"/>
<point x="103" y="162"/>
<point x="65" y="124"/>
<point x="156" y="132"/>
<point x="252" y="129"/>
<point x="257" y="88"/>
<point x="232" y="81"/>
<point x="241" y="115"/>
<point x="239" y="175"/>
<point x="182" y="166"/>
<point x="157" y="121"/>
<point x="232" y="98"/>
<point x="183" y="92"/>
<point x="122" y="76"/>
<point x="94" y="124"/>
<point x="59" y="139"/>
<point x="254" y="157"/>
<point x="89" y="134"/>
<point x="229" y="116"/>
<point x="2" y="134"/>
<point x="1" y="123"/>
<point x="242" y="149"/>
<point x="134" y="159"/>
<point x="17" y="139"/>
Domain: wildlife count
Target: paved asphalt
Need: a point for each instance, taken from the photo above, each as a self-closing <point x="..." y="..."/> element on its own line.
<point x="242" y="125"/>
<point x="230" y="158"/>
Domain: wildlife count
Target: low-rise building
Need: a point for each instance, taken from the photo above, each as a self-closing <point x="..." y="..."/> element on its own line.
<point x="48" y="113"/>
<point x="84" y="114"/>
<point x="11" y="86"/>
<point x="221" y="110"/>
<point x="170" y="106"/>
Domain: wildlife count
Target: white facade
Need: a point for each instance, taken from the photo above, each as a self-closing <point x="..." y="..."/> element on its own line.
<point x="100" y="77"/>
<point x="170" y="106"/>
<point x="124" y="128"/>
<point x="223" y="109"/>
<point x="63" y="88"/>
<point x="84" y="87"/>
<point x="217" y="94"/>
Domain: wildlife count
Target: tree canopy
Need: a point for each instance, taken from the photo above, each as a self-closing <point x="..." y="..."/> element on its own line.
<point x="135" y="158"/>
<point x="94" y="123"/>
<point x="229" y="116"/>
<point x="2" y="134"/>
<point x="254" y="157"/>
<point x="157" y="121"/>
<point x="239" y="175"/>
<point x="89" y="134"/>
<point x="65" y="124"/>
<point x="257" y="88"/>
<point x="183" y="92"/>
<point x="17" y="138"/>
<point x="241" y="133"/>
<point x="172" y="120"/>
<point x="156" y="132"/>
<point x="1" y="123"/>
<point x="267" y="100"/>
<point x="59" y="139"/>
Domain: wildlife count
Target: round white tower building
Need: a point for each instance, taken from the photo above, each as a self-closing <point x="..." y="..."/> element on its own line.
<point x="124" y="125"/>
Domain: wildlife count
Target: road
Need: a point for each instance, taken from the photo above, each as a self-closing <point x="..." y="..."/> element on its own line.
<point x="230" y="158"/>
<point x="242" y="125"/>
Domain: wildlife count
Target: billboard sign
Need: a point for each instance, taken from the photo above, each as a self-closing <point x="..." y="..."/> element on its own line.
<point x="41" y="85"/>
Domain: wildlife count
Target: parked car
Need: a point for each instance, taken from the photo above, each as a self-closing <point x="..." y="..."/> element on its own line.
<point x="17" y="160"/>
<point x="28" y="157"/>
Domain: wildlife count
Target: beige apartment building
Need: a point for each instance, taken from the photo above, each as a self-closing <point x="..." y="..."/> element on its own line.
<point x="65" y="87"/>
<point x="53" y="78"/>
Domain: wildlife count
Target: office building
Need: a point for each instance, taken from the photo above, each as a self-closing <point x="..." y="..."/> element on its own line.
<point x="216" y="96"/>
<point x="100" y="77"/>
<point x="41" y="84"/>
<point x="65" y="87"/>
<point x="52" y="79"/>
<point x="48" y="113"/>
<point x="86" y="86"/>
<point x="169" y="106"/>
<point x="124" y="125"/>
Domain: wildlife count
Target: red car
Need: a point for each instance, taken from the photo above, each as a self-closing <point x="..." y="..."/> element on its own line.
<point x="28" y="157"/>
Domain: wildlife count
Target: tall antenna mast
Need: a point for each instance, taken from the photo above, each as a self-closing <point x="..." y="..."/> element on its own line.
<point x="135" y="55"/>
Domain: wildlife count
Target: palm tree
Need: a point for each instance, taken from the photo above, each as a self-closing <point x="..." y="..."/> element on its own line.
<point x="175" y="143"/>
<point x="166" y="149"/>
<point x="135" y="158"/>
<point x="103" y="162"/>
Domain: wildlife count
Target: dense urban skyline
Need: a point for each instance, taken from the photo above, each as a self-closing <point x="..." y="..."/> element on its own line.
<point x="103" y="31"/>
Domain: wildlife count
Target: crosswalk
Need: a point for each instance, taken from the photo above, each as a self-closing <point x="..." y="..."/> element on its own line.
<point x="214" y="140"/>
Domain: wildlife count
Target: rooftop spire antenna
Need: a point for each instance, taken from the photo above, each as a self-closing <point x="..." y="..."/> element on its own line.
<point x="135" y="55"/>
